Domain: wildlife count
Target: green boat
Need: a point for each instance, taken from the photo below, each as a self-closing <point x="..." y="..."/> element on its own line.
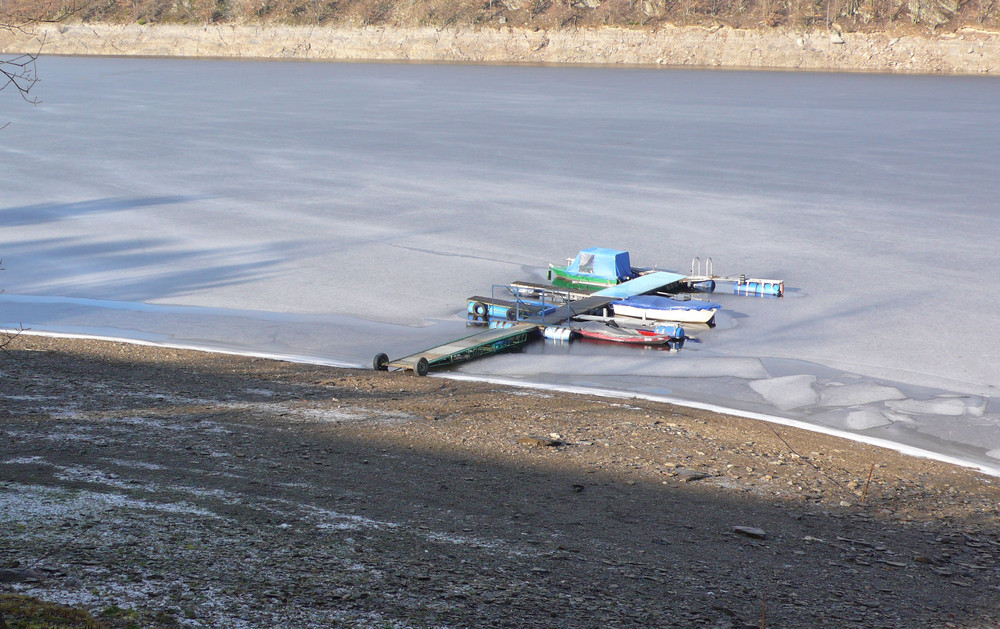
<point x="595" y="266"/>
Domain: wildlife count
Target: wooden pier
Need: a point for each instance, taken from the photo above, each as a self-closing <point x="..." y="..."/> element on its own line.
<point x="485" y="343"/>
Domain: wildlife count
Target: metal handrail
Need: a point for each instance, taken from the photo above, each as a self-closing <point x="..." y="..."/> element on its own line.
<point x="519" y="301"/>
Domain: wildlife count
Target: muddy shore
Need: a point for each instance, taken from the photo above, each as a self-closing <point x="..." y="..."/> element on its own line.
<point x="169" y="488"/>
<point x="968" y="51"/>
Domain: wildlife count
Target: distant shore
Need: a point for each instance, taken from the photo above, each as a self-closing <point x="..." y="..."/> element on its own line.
<point x="967" y="51"/>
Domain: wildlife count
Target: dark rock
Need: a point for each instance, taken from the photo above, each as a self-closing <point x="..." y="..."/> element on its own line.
<point x="751" y="531"/>
<point x="20" y="576"/>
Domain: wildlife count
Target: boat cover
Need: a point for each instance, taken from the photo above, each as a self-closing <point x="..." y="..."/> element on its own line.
<point x="655" y="302"/>
<point x="605" y="263"/>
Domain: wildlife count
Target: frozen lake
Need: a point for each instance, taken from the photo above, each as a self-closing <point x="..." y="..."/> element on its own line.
<point x="329" y="211"/>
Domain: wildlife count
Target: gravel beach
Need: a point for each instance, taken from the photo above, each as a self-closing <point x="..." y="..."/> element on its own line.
<point x="163" y="488"/>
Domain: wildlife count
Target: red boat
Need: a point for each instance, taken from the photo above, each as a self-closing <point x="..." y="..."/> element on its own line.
<point x="614" y="333"/>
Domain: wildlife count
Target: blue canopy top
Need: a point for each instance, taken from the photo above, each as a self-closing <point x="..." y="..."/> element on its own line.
<point x="665" y="303"/>
<point x="604" y="263"/>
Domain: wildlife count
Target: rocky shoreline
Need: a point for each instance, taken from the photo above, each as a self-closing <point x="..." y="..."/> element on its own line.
<point x="165" y="488"/>
<point x="967" y="51"/>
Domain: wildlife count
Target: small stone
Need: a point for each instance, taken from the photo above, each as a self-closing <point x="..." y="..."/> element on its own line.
<point x="688" y="476"/>
<point x="539" y="442"/>
<point x="751" y="531"/>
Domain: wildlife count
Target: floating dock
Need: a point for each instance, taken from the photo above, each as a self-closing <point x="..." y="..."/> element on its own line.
<point x="742" y="285"/>
<point x="549" y="305"/>
<point x="525" y="309"/>
<point x="597" y="300"/>
<point x="485" y="343"/>
<point x="484" y="309"/>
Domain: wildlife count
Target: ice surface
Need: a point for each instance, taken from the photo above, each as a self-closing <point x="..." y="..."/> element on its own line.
<point x="857" y="394"/>
<point x="658" y="364"/>
<point x="327" y="212"/>
<point x="859" y="419"/>
<point x="946" y="406"/>
<point x="787" y="392"/>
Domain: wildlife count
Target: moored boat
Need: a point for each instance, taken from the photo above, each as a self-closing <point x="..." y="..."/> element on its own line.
<point x="595" y="266"/>
<point x="612" y="332"/>
<point x="657" y="308"/>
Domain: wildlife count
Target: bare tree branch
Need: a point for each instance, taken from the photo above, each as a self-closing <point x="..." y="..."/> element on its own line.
<point x="6" y="338"/>
<point x="20" y="72"/>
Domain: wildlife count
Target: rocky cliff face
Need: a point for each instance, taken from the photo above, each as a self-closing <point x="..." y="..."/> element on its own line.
<point x="967" y="51"/>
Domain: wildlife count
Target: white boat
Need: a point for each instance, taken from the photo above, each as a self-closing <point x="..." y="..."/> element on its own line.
<point x="656" y="308"/>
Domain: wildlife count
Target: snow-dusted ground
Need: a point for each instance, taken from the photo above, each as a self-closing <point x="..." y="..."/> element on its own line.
<point x="329" y="211"/>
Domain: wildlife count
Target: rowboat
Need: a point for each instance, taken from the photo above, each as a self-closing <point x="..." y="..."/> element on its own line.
<point x="614" y="333"/>
<point x="657" y="308"/>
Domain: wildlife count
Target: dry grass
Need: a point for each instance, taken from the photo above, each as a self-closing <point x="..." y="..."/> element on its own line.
<point x="26" y="612"/>
<point x="847" y="15"/>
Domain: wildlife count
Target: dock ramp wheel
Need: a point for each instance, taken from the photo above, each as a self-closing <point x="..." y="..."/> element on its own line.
<point x="381" y="362"/>
<point x="422" y="367"/>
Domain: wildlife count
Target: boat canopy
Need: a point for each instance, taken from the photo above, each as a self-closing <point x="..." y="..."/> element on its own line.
<point x="605" y="263"/>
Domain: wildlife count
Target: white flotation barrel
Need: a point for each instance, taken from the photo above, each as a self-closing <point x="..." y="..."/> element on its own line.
<point x="557" y="333"/>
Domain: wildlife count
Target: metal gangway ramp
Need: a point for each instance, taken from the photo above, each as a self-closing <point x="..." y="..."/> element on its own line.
<point x="647" y="283"/>
<point x="485" y="343"/>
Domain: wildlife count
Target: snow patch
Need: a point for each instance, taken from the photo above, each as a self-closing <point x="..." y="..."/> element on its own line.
<point x="21" y="504"/>
<point x="25" y="460"/>
<point x="293" y="412"/>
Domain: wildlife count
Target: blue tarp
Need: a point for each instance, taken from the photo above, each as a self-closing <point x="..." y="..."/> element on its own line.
<point x="604" y="263"/>
<point x="665" y="303"/>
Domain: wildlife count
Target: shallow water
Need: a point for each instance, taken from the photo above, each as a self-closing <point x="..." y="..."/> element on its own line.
<point x="329" y="211"/>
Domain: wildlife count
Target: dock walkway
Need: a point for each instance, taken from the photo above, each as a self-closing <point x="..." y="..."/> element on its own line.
<point x="650" y="282"/>
<point x="492" y="341"/>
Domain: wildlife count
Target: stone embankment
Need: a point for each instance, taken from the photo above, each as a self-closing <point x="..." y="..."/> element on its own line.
<point x="967" y="51"/>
